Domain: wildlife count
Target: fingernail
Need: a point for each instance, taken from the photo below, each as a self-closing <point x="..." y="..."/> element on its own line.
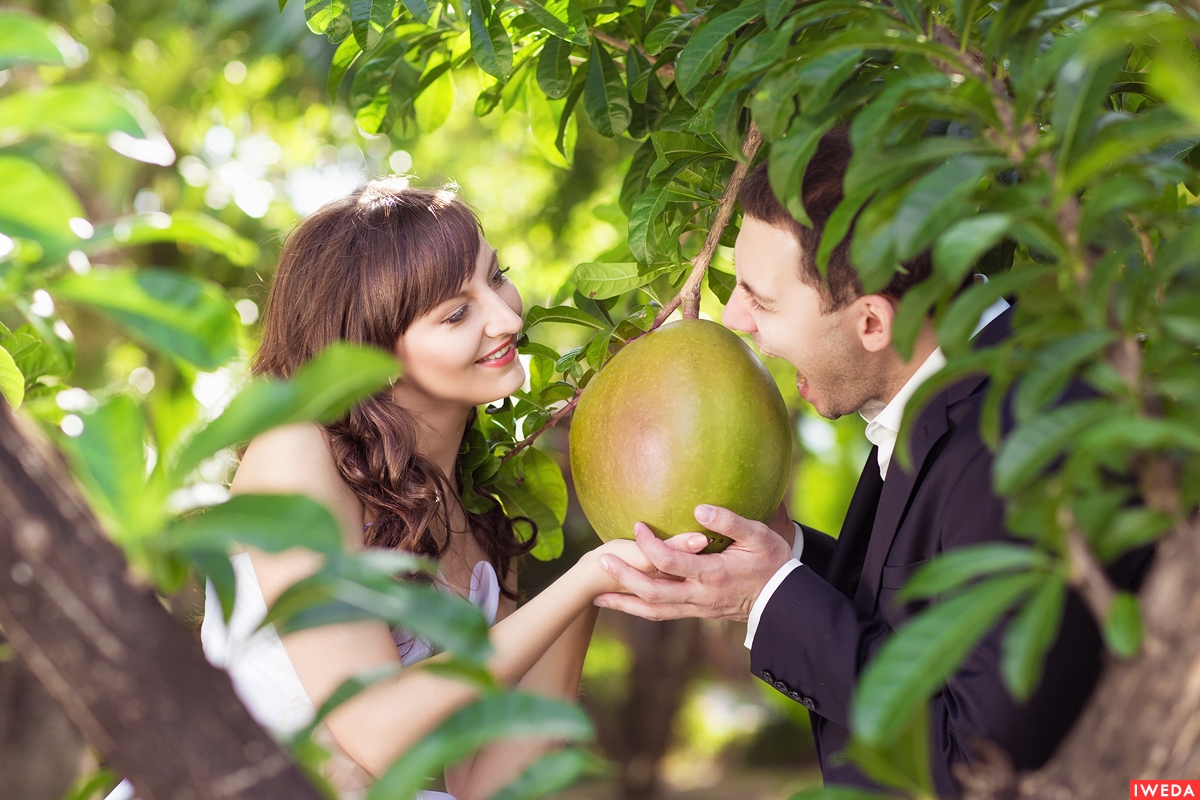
<point x="705" y="514"/>
<point x="698" y="542"/>
<point x="606" y="563"/>
<point x="600" y="602"/>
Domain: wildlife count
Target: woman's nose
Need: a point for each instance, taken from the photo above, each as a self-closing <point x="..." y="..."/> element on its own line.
<point x="503" y="319"/>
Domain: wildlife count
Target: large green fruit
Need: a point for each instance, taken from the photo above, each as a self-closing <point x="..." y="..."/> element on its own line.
<point x="682" y="416"/>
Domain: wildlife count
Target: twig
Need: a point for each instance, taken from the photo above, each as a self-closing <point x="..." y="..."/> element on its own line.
<point x="666" y="69"/>
<point x="1087" y="575"/>
<point x="609" y="39"/>
<point x="689" y="294"/>
<point x="553" y="420"/>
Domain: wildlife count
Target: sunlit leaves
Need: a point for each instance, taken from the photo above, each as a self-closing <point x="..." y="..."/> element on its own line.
<point x="12" y="382"/>
<point x="707" y="45"/>
<point x="321" y="390"/>
<point x="554" y="68"/>
<point x="26" y="39"/>
<point x="48" y="220"/>
<point x="490" y="44"/>
<point x="563" y="18"/>
<point x="188" y="318"/>
<point x="185" y="227"/>
<point x="270" y="522"/>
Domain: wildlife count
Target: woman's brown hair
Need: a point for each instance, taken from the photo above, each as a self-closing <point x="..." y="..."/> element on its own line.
<point x="361" y="269"/>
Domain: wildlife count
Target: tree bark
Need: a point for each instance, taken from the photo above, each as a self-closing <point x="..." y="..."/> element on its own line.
<point x="129" y="676"/>
<point x="41" y="752"/>
<point x="1143" y="721"/>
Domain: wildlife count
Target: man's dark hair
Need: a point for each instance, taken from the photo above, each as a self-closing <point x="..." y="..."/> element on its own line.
<point x="821" y="191"/>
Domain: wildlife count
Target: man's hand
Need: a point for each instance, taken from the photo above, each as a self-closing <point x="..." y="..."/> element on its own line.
<point x="714" y="586"/>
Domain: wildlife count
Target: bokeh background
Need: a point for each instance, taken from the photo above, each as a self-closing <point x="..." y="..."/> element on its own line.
<point x="240" y="91"/>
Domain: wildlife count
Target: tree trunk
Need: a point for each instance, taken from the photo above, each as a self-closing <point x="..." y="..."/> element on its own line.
<point x="40" y="750"/>
<point x="129" y="676"/>
<point x="1143" y="721"/>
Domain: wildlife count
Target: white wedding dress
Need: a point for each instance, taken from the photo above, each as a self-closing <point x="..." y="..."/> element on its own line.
<point x="266" y="682"/>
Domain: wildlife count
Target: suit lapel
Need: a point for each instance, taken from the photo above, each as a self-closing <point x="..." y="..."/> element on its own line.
<point x="893" y="501"/>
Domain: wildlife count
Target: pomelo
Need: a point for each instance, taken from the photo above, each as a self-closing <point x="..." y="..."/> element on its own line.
<point x="682" y="416"/>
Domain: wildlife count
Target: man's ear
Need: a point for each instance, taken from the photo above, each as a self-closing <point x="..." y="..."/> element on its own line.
<point x="874" y="316"/>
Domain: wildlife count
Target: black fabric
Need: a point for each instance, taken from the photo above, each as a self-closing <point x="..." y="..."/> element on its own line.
<point x="827" y="619"/>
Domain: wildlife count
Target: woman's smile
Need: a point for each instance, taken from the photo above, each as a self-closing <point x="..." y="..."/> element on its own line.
<point x="502" y="356"/>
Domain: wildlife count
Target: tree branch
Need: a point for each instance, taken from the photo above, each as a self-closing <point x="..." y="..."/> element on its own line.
<point x="1088" y="576"/>
<point x="554" y="419"/>
<point x="689" y="294"/>
<point x="127" y="673"/>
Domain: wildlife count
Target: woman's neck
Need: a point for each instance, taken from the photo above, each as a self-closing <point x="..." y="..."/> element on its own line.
<point x="440" y="429"/>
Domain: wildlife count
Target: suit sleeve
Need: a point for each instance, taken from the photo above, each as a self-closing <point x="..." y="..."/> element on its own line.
<point x="812" y="645"/>
<point x="818" y="549"/>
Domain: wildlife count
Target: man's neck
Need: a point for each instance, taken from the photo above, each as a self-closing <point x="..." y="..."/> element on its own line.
<point x="902" y="371"/>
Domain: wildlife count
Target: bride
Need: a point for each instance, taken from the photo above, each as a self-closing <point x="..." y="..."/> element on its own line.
<point x="406" y="270"/>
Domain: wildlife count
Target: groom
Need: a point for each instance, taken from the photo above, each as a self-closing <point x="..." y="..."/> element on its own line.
<point x="817" y="609"/>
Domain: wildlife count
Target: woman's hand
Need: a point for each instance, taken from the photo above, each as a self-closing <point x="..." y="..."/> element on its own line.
<point x="628" y="551"/>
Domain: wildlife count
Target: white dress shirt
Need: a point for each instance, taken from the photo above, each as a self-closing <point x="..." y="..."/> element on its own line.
<point x="883" y="428"/>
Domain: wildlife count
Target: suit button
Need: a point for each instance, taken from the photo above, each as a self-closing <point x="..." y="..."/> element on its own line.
<point x="808" y="703"/>
<point x="768" y="677"/>
<point x="782" y="687"/>
<point x="795" y="696"/>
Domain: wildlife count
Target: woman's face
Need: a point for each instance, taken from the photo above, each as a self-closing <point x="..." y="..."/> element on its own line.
<point x="463" y="352"/>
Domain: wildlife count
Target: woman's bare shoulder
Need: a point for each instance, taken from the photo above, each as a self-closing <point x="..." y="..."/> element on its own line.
<point x="296" y="459"/>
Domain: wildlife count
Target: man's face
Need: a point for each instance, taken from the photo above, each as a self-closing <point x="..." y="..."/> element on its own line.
<point x="835" y="372"/>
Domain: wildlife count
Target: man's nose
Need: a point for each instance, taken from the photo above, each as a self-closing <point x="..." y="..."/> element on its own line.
<point x="736" y="315"/>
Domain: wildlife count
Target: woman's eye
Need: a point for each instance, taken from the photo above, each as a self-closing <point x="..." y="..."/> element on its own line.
<point x="498" y="276"/>
<point x="457" y="316"/>
<point x="755" y="305"/>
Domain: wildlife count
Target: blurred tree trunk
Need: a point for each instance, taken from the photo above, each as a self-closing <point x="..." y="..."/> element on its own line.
<point x="1143" y="721"/>
<point x="127" y="673"/>
<point x="40" y="750"/>
<point x="665" y="654"/>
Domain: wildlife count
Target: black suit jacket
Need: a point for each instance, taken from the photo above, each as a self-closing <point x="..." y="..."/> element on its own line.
<point x="826" y="620"/>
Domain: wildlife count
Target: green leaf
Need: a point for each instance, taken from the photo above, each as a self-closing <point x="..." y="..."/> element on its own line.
<point x="597" y="350"/>
<point x="270" y="522"/>
<point x="1053" y="367"/>
<point x="494" y="716"/>
<point x="371" y="89"/>
<point x="12" y="382"/>
<point x="187" y="227"/>
<point x="518" y="502"/>
<point x="47" y="220"/>
<point x="707" y="45"/>
<point x="543" y="479"/>
<point x="419" y="9"/>
<point x="490" y="46"/>
<point x="720" y="284"/>
<point x="324" y="16"/>
<point x="346" y="55"/>
<point x="961" y="245"/>
<point x="777" y="10"/>
<point x="77" y="108"/>
<point x="169" y="311"/>
<point x="34" y="357"/>
<point x="554" y="68"/>
<point x="669" y="29"/>
<point x="26" y="39"/>
<point x="1131" y="528"/>
<point x="1080" y="91"/>
<point x="537" y="315"/>
<point x="322" y="390"/>
<point x="109" y="459"/>
<point x="368" y="18"/>
<point x="1030" y="635"/>
<point x="956" y="567"/>
<point x="789" y="161"/>
<point x="432" y="106"/>
<point x="602" y="280"/>
<point x="670" y="146"/>
<point x="937" y="198"/>
<point x="1030" y="448"/>
<point x="550" y="774"/>
<point x="563" y="18"/>
<point x="1123" y="626"/>
<point x="954" y="329"/>
<point x="605" y="98"/>
<point x="919" y="657"/>
<point x="902" y="763"/>
<point x="840" y="793"/>
<point x="545" y="117"/>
